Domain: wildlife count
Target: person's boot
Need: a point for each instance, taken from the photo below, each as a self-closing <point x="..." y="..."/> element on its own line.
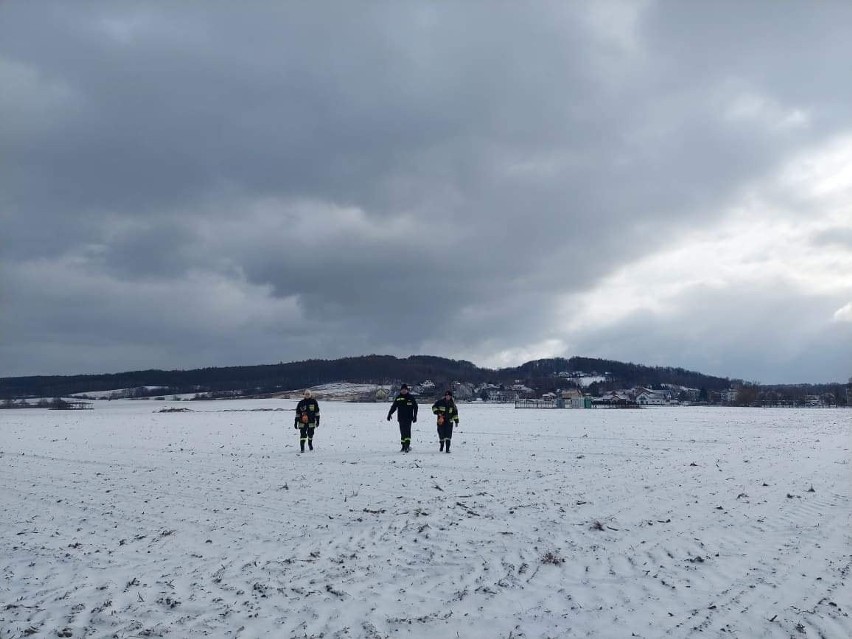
<point x="402" y="447"/>
<point x="302" y="446"/>
<point x="310" y="445"/>
<point x="442" y="446"/>
<point x="448" y="445"/>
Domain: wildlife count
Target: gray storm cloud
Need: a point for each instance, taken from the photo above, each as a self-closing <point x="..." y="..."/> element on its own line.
<point x="325" y="179"/>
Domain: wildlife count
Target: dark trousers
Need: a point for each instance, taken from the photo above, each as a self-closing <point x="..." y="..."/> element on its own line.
<point x="306" y="434"/>
<point x="445" y="431"/>
<point x="405" y="432"/>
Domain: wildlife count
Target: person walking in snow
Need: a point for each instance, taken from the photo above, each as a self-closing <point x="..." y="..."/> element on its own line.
<point x="447" y="415"/>
<point x="405" y="407"/>
<point x="307" y="420"/>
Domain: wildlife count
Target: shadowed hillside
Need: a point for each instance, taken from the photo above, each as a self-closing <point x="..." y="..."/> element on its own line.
<point x="543" y="375"/>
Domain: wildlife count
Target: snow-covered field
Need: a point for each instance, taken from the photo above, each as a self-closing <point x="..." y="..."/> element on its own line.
<point x="670" y="522"/>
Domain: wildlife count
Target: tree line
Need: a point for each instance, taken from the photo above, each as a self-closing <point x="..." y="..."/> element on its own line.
<point x="541" y="375"/>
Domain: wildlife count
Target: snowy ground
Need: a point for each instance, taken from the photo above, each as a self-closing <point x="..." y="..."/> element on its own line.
<point x="670" y="522"/>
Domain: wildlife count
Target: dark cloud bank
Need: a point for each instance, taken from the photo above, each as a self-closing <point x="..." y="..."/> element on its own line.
<point x="206" y="184"/>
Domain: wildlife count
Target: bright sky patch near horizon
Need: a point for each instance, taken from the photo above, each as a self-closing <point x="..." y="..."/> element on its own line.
<point x="208" y="185"/>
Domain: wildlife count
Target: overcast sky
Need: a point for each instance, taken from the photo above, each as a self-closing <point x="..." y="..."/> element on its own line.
<point x="218" y="183"/>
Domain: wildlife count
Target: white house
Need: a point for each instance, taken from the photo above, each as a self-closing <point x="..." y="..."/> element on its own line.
<point x="729" y="396"/>
<point x="651" y="398"/>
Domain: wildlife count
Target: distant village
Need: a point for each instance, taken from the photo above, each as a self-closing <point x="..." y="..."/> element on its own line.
<point x="579" y="386"/>
<point x="571" y="390"/>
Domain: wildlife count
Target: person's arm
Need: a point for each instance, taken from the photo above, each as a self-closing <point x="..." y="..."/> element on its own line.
<point x="392" y="409"/>
<point x="414" y="412"/>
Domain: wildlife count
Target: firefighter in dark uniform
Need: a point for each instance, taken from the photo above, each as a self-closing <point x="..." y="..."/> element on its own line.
<point x="307" y="419"/>
<point x="405" y="407"/>
<point x="448" y="415"/>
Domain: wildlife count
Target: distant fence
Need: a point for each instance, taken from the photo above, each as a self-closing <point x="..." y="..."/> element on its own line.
<point x="62" y="404"/>
<point x="559" y="402"/>
<point x="539" y="403"/>
<point x="603" y="403"/>
<point x="794" y="404"/>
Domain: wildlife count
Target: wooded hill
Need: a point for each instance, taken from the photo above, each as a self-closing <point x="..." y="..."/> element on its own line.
<point x="542" y="375"/>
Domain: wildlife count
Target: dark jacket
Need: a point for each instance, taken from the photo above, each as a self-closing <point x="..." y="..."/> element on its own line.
<point x="310" y="407"/>
<point x="446" y="408"/>
<point x="405" y="407"/>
